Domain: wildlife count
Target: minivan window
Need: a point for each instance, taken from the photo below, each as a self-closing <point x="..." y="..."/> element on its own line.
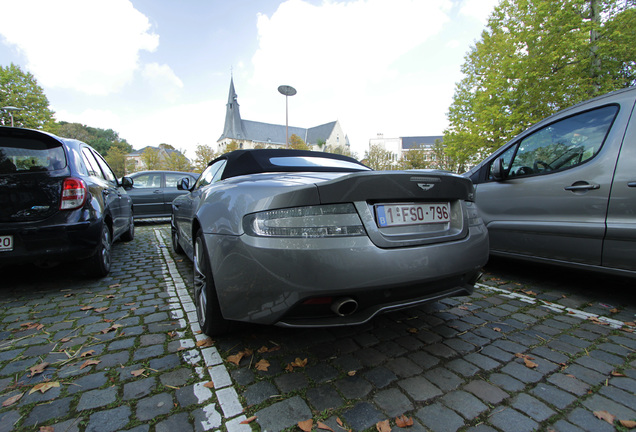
<point x="560" y="145"/>
<point x="30" y="155"/>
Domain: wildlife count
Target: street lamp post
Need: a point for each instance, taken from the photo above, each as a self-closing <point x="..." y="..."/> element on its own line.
<point x="8" y="109"/>
<point x="287" y="91"/>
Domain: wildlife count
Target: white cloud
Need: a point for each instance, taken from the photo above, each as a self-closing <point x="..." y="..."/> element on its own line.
<point x="162" y="79"/>
<point x="89" y="46"/>
<point x="102" y="119"/>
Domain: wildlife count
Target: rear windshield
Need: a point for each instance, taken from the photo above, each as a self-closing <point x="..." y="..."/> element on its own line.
<point x="28" y="155"/>
<point x="310" y="162"/>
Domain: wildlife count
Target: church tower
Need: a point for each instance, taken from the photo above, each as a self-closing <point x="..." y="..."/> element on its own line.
<point x="233" y="128"/>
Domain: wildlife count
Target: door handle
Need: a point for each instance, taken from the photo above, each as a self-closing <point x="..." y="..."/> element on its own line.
<point x="582" y="186"/>
<point x="631" y="184"/>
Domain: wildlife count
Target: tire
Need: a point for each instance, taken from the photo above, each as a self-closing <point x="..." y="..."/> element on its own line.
<point x="130" y="234"/>
<point x="99" y="264"/>
<point x="206" y="300"/>
<point x="176" y="247"/>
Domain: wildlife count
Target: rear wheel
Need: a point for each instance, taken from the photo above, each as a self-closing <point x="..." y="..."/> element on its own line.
<point x="99" y="264"/>
<point x="206" y="300"/>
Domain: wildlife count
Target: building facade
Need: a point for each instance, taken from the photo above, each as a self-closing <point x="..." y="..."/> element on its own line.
<point x="399" y="147"/>
<point x="252" y="134"/>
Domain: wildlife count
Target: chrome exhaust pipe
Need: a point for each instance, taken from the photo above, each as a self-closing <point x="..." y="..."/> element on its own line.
<point x="344" y="306"/>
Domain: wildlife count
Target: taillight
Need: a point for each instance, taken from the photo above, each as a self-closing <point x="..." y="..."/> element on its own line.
<point x="73" y="194"/>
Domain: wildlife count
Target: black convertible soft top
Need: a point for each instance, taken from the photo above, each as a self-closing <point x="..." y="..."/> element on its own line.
<point x="242" y="162"/>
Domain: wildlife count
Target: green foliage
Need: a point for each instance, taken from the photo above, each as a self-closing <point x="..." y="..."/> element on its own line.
<point x="20" y="89"/>
<point x="378" y="158"/>
<point x="341" y="150"/>
<point x="116" y="158"/>
<point x="415" y="159"/>
<point x="151" y="158"/>
<point x="102" y="140"/>
<point x="535" y="58"/>
<point x="203" y="155"/>
<point x="233" y="145"/>
<point x="176" y="161"/>
<point x="297" y="143"/>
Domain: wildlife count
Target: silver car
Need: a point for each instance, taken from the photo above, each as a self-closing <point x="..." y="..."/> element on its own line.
<point x="152" y="192"/>
<point x="564" y="191"/>
<point x="298" y="238"/>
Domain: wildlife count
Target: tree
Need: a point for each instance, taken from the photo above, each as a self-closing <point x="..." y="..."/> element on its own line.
<point x="233" y="145"/>
<point x="535" y="58"/>
<point x="297" y="143"/>
<point x="379" y="159"/>
<point x="203" y="155"/>
<point x="21" y="90"/>
<point x="415" y="159"/>
<point x="151" y="158"/>
<point x="101" y="140"/>
<point x="176" y="161"/>
<point x="116" y="158"/>
<point x="341" y="150"/>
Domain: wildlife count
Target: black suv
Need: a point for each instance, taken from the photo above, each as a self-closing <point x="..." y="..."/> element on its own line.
<point x="59" y="201"/>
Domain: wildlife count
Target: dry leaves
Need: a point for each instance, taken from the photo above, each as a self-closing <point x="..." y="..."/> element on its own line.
<point x="262" y="365"/>
<point x="497" y="329"/>
<point x="527" y="360"/>
<point x="32" y="325"/>
<point x="46" y="429"/>
<point x="248" y="420"/>
<point x="630" y="424"/>
<point x="209" y="384"/>
<point x="114" y="327"/>
<point x="44" y="387"/>
<point x="528" y="292"/>
<point x="306" y="425"/>
<point x="137" y="372"/>
<point x="413" y="330"/>
<point x="12" y="400"/>
<point x="87" y="353"/>
<point x="403" y="421"/>
<point x="383" y="426"/>
<point x="38" y="369"/>
<point x="204" y="343"/>
<point x="102" y="309"/>
<point x="323" y="426"/>
<point x="604" y="415"/>
<point x="236" y="358"/>
<point x="88" y="363"/>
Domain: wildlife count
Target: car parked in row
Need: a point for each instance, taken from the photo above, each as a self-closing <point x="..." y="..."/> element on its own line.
<point x="152" y="192"/>
<point x="300" y="239"/>
<point x="59" y="201"/>
<point x="564" y="191"/>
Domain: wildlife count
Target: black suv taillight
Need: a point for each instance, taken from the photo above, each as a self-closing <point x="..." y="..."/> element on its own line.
<point x="73" y="194"/>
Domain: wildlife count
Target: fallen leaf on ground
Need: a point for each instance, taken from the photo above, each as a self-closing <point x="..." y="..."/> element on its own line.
<point x="44" y="387"/>
<point x="631" y="324"/>
<point x="110" y="296"/>
<point x="67" y="295"/>
<point x="114" y="286"/>
<point x="289" y="368"/>
<point x="248" y="420"/>
<point x="114" y="327"/>
<point x="46" y="429"/>
<point x="129" y="304"/>
<point x="101" y="309"/>
<point x="497" y="329"/>
<point x="403" y="421"/>
<point x="530" y="364"/>
<point x="617" y="374"/>
<point x="306" y="425"/>
<point x="236" y="358"/>
<point x="38" y="369"/>
<point x="383" y="426"/>
<point x="262" y="365"/>
<point x="413" y="330"/>
<point x="262" y="350"/>
<point x="87" y="353"/>
<point x="64" y="340"/>
<point x="323" y="426"/>
<point x="85" y="308"/>
<point x="209" y="384"/>
<point x="299" y="363"/>
<point x="12" y="400"/>
<point x="604" y="415"/>
<point x="524" y="356"/>
<point x="530" y="293"/>
<point x="204" y="343"/>
<point x="351" y="373"/>
<point x="615" y="310"/>
<point x="630" y="424"/>
<point x="88" y="363"/>
<point x="137" y="372"/>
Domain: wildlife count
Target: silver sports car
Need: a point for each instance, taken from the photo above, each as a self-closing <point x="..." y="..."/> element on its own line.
<point x="299" y="238"/>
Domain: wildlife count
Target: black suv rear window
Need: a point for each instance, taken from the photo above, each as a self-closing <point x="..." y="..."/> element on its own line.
<point x="29" y="155"/>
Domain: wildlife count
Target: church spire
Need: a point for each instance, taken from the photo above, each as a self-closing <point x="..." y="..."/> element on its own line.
<point x="233" y="128"/>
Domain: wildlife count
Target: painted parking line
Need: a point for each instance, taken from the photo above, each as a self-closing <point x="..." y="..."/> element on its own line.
<point x="554" y="307"/>
<point x="184" y="311"/>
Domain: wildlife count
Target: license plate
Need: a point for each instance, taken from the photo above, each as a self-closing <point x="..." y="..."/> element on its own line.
<point x="412" y="214"/>
<point x="6" y="243"/>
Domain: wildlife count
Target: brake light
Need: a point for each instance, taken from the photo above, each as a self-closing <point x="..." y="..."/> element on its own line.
<point x="73" y="194"/>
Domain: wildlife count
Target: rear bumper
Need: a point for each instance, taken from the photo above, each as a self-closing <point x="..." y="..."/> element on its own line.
<point x="50" y="242"/>
<point x="267" y="280"/>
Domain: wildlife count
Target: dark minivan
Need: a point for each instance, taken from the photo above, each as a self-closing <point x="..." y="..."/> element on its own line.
<point x="59" y="201"/>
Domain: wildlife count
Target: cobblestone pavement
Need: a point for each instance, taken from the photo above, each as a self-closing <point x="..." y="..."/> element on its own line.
<point x="531" y="349"/>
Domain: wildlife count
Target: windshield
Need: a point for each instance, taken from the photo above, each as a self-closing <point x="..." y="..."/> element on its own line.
<point x="29" y="155"/>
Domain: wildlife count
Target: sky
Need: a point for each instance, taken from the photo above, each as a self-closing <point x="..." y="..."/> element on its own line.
<point x="158" y="71"/>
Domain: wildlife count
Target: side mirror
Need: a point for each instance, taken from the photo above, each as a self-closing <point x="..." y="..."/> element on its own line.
<point x="184" y="184"/>
<point x="127" y="182"/>
<point x="497" y="170"/>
